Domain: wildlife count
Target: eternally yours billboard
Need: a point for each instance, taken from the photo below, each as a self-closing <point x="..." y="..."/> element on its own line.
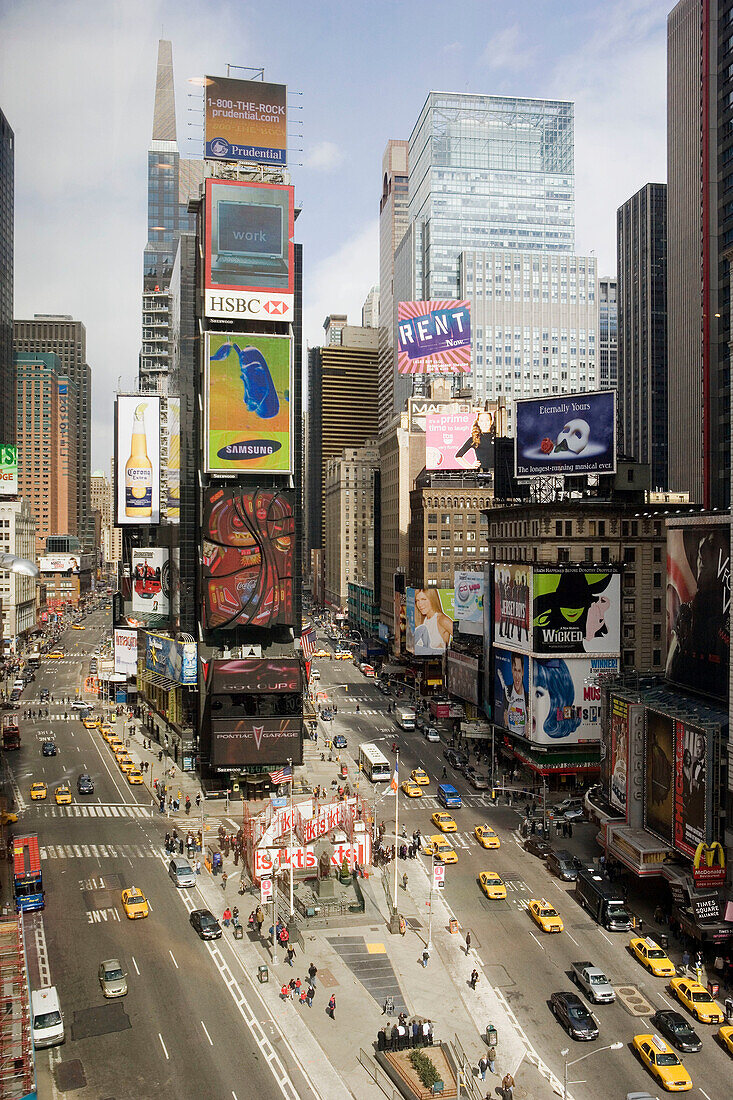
<point x="512" y="599"/>
<point x="468" y="601"/>
<point x="434" y="337"/>
<point x="573" y="434"/>
<point x="576" y="609"/>
<point x="698" y="607"/>
<point x="247" y="403"/>
<point x="245" y="120"/>
<point x="463" y="676"/>
<point x="249" y="252"/>
<point x="430" y="613"/>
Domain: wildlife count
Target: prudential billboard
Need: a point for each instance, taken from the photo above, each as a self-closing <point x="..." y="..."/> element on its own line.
<point x="573" y="434"/>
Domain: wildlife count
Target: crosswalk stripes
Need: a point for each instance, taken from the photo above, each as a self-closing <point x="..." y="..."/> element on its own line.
<point x="98" y="851"/>
<point x="96" y="809"/>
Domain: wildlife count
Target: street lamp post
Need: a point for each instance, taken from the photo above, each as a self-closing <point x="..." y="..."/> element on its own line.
<point x="598" y="1050"/>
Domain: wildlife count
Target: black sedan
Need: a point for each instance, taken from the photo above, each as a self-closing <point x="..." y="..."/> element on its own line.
<point x="205" y="923"/>
<point x="455" y="759"/>
<point x="49" y="748"/>
<point x="675" y="1027"/>
<point x="537" y="847"/>
<point x="574" y="1016"/>
<point x="340" y="742"/>
<point x="84" y="784"/>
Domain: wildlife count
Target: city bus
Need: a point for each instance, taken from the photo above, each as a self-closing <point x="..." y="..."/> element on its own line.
<point x="27" y="880"/>
<point x="374" y="764"/>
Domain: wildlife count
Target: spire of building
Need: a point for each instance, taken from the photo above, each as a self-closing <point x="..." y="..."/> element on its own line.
<point x="164" y="113"/>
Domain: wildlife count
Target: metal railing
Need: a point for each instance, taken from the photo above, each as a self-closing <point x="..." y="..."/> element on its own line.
<point x="470" y="1087"/>
<point x="378" y="1076"/>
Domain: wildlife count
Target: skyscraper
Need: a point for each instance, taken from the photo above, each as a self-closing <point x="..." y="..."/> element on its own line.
<point x="67" y="339"/>
<point x="7" y="376"/>
<point x="171" y="182"/>
<point x="700" y="230"/>
<point x="642" y="324"/>
<point x="607" y="332"/>
<point x="393" y="221"/>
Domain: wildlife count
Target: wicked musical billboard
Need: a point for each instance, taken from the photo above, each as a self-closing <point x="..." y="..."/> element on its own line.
<point x="576" y="609"/>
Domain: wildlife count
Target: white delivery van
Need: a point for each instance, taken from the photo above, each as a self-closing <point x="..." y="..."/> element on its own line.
<point x="48" y="1021"/>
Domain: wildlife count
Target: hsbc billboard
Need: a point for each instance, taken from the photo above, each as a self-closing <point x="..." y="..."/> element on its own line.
<point x="249" y="253"/>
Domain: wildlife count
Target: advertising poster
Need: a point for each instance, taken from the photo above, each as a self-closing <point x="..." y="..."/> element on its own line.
<point x="241" y="742"/>
<point x="60" y="563"/>
<point x="698" y="608"/>
<point x="137" y="462"/>
<point x="249" y="255"/>
<point x="511" y="691"/>
<point x="659" y="775"/>
<point x="257" y="674"/>
<point x="400" y="623"/>
<point x="618" y="758"/>
<point x="247" y="574"/>
<point x="576" y="611"/>
<point x="573" y="434"/>
<point x="488" y="688"/>
<point x="8" y="470"/>
<point x="173" y="469"/>
<point x="463" y="676"/>
<point x="126" y="652"/>
<point x="434" y="337"/>
<point x="247" y="403"/>
<point x="468" y="601"/>
<point x="420" y="408"/>
<point x="512" y="597"/>
<point x="245" y="120"/>
<point x="151" y="582"/>
<point x="566" y="700"/>
<point x="170" y="658"/>
<point x="430" y="614"/>
<point x="690" y="804"/>
<point x="461" y="441"/>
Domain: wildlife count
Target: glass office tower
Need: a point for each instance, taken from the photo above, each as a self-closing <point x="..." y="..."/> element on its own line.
<point x="488" y="172"/>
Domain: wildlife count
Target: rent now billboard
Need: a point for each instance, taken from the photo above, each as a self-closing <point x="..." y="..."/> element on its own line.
<point x="461" y="441"/>
<point x="698" y="607"/>
<point x="8" y="470"/>
<point x="468" y="601"/>
<point x="566" y="700"/>
<point x="430" y="614"/>
<point x="512" y="602"/>
<point x="572" y="434"/>
<point x="245" y="120"/>
<point x="434" y="337"/>
<point x="247" y="403"/>
<point x="137" y="460"/>
<point x="248" y="252"/>
<point x="247" y="560"/>
<point x="576" y="609"/>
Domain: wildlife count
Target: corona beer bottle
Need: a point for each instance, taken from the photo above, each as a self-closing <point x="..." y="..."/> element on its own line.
<point x="139" y="472"/>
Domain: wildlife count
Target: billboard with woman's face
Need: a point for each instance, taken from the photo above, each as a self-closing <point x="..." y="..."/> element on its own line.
<point x="430" y="616"/>
<point x="566" y="701"/>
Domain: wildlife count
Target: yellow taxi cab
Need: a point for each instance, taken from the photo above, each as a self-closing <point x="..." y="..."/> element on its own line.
<point x="486" y="836"/>
<point x="104" y="728"/>
<point x="77" y="626"/>
<point x="134" y="775"/>
<point x="62" y="794"/>
<point x="725" y="1035"/>
<point x="7" y="817"/>
<point x="492" y="885"/>
<point x="134" y="903"/>
<point x="342" y="657"/>
<point x="38" y="791"/>
<point x="651" y="956"/>
<point x="444" y="821"/>
<point x="114" y="743"/>
<point x="697" y="1000"/>
<point x="55" y="656"/>
<point x="439" y="848"/>
<point x="662" y="1063"/>
<point x="108" y="734"/>
<point x="545" y="915"/>
<point x="417" y="775"/>
<point x="126" y="763"/>
<point x="89" y="723"/>
<point x="411" y="789"/>
<point x="321" y="653"/>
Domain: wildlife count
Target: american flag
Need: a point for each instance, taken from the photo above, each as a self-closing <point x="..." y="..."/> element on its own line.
<point x="308" y="643"/>
<point x="283" y="775"/>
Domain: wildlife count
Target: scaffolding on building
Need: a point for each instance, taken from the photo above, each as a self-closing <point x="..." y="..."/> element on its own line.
<point x="17" y="1067"/>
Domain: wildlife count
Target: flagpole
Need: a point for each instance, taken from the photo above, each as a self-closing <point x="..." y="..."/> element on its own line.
<point x="290" y="853"/>
<point x="396" y="822"/>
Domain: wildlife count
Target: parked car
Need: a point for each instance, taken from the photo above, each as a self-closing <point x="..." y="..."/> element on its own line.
<point x="537" y="847"/>
<point x="205" y="924"/>
<point x="561" y="863"/>
<point x="455" y="758"/>
<point x="675" y="1027"/>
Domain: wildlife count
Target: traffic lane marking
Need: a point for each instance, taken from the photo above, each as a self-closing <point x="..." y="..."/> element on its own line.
<point x="536" y="940"/>
<point x="206" y="1033"/>
<point x="165" y="1050"/>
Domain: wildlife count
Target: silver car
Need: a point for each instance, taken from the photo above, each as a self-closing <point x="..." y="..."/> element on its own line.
<point x="112" y="978"/>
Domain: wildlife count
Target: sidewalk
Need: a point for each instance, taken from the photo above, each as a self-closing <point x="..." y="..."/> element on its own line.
<point x="349" y="956"/>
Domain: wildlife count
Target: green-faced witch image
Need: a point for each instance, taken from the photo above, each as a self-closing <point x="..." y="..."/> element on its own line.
<point x="570" y="610"/>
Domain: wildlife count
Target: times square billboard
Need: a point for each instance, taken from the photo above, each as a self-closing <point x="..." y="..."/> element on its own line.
<point x="571" y="434"/>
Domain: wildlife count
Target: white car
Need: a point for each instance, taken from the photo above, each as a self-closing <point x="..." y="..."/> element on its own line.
<point x="79" y="704"/>
<point x="431" y="734"/>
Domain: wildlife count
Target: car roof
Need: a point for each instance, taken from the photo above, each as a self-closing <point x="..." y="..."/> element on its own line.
<point x="110" y="964"/>
<point x="570" y="997"/>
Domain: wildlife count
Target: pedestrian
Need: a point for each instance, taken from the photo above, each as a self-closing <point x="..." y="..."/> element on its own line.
<point x="394" y="1037"/>
<point x="198" y="867"/>
<point x="198" y="800"/>
<point x="468" y="941"/>
<point x="180" y="846"/>
<point x="309" y="996"/>
<point x="404" y="881"/>
<point x="425" y="957"/>
<point x="290" y="955"/>
<point x="224" y="877"/>
<point x="444" y="773"/>
<point x="188" y="804"/>
<point x="227" y="917"/>
<point x="685" y="959"/>
<point x="491" y="1055"/>
<point x="416" y="1032"/>
<point x="235" y="917"/>
<point x="483" y="1065"/>
<point x="507" y="1086"/>
<point x="473" y="979"/>
<point x="331" y="1008"/>
<point x="312" y="971"/>
<point x="570" y="829"/>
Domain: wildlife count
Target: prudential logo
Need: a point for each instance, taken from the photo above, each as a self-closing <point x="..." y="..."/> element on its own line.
<point x="219" y="147"/>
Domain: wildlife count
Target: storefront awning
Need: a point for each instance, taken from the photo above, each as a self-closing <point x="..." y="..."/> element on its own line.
<point x="552" y="763"/>
<point x="155" y="678"/>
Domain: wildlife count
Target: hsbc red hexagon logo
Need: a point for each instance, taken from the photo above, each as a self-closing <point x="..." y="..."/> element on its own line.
<point x="276" y="308"/>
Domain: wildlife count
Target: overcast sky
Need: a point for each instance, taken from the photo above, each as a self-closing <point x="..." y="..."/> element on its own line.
<point x="77" y="80"/>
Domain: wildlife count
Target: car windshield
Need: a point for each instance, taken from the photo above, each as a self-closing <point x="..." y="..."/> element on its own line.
<point x="668" y="1059"/>
<point x="598" y="979"/>
<point x="578" y="1012"/>
<point x="135" y="897"/>
<point x="548" y="913"/>
<point x="46" y="1019"/>
<point x="656" y="953"/>
<point x="112" y="975"/>
<point x="207" y="921"/>
<point x="702" y="997"/>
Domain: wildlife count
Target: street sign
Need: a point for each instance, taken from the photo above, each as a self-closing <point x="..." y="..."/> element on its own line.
<point x="439" y="876"/>
<point x="265" y="890"/>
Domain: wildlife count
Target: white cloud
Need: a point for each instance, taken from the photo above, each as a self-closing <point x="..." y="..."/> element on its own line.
<point x="326" y="156"/>
<point x="508" y="49"/>
<point x="339" y="283"/>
